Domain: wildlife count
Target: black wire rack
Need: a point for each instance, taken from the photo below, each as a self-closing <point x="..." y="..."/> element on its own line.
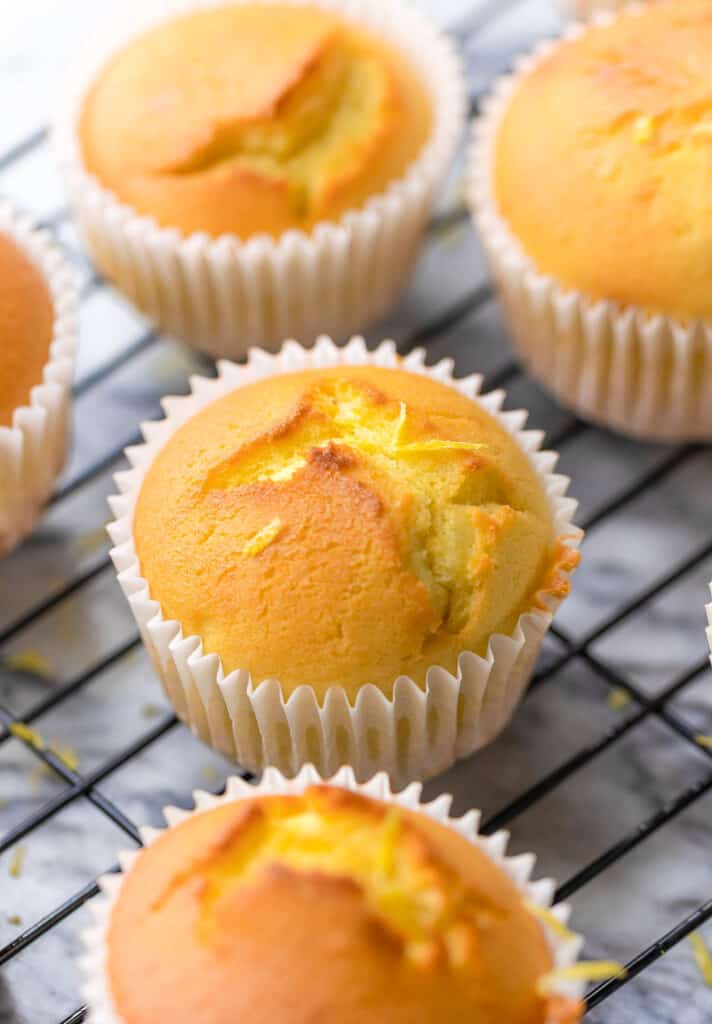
<point x="447" y="330"/>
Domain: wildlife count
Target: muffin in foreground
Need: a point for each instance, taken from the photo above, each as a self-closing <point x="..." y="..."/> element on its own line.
<point x="597" y="236"/>
<point x="244" y="169"/>
<point x="236" y="910"/>
<point x="366" y="556"/>
<point x="37" y="348"/>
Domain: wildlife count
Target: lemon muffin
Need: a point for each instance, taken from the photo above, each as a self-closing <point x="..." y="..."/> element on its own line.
<point x="26" y="327"/>
<point x="247" y="171"/>
<point x="345" y="526"/>
<point x="37" y="346"/>
<point x="598" y="232"/>
<point x="343" y="564"/>
<point x="250" y="119"/>
<point x="235" y="911"/>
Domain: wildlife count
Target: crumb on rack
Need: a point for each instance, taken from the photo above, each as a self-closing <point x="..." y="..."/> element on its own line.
<point x="618" y="698"/>
<point x="31" y="661"/>
<point x="23" y="732"/>
<point x="703" y="957"/>
<point x="17" y="860"/>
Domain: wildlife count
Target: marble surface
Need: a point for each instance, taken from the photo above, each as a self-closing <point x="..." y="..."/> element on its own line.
<point x="620" y="911"/>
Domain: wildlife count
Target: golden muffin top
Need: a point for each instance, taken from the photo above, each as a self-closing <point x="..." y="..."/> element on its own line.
<point x="26" y="327"/>
<point x="253" y="118"/>
<point x="604" y="159"/>
<point x="345" y="526"/>
<point x="327" y="906"/>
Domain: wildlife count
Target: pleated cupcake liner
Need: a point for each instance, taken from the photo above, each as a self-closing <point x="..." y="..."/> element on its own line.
<point x="32" y="449"/>
<point x="413" y="735"/>
<point x="647" y="376"/>
<point x="564" y="950"/>
<point x="224" y="295"/>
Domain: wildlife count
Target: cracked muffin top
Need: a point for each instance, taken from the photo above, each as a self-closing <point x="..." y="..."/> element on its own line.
<point x="26" y="327"/>
<point x="249" y="119"/>
<point x="345" y="526"/>
<point x="324" y="906"/>
<point x="603" y="161"/>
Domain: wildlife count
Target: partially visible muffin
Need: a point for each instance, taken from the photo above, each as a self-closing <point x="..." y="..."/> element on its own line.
<point x="26" y="323"/>
<point x="346" y="526"/>
<point x="612" y="199"/>
<point x="252" y="118"/>
<point x="324" y="906"/>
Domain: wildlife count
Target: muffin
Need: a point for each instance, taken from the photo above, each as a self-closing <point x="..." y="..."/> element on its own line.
<point x="588" y="8"/>
<point x="597" y="235"/>
<point x="234" y="911"/>
<point x="355" y="550"/>
<point x="249" y="171"/>
<point x="38" y="331"/>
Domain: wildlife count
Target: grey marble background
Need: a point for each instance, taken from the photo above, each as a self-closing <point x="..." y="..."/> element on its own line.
<point x="625" y="907"/>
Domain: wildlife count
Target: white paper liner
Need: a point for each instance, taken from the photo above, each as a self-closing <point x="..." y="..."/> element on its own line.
<point x="32" y="449"/>
<point x="450" y="718"/>
<point x="565" y="951"/>
<point x="223" y="295"/>
<point x="646" y="376"/>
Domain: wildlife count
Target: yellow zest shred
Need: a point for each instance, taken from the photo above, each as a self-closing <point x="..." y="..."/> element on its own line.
<point x="387" y="850"/>
<point x="18" y="859"/>
<point x="23" y="732"/>
<point x="66" y="755"/>
<point x="584" y="970"/>
<point x="400" y="424"/>
<point x="151" y="711"/>
<point x="643" y="129"/>
<point x="28" y="661"/>
<point x="618" y="698"/>
<point x="435" y="444"/>
<point x="93" y="540"/>
<point x="702" y="740"/>
<point x="263" y="538"/>
<point x="703" y="957"/>
<point x="549" y="919"/>
<point x="14" y="919"/>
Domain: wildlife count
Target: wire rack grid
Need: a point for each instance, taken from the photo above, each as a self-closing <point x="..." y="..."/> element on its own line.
<point x="609" y="712"/>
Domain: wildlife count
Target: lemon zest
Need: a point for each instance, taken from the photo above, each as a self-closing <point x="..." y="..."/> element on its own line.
<point x="18" y="859"/>
<point x="28" y="661"/>
<point x="643" y="129"/>
<point x="91" y="541"/>
<point x="400" y="424"/>
<point x="14" y="919"/>
<point x="549" y="919"/>
<point x="618" y="699"/>
<point x="387" y="850"/>
<point x="703" y="740"/>
<point x="66" y="755"/>
<point x="435" y="444"/>
<point x="263" y="538"/>
<point x="23" y="732"/>
<point x="703" y="957"/>
<point x="584" y="970"/>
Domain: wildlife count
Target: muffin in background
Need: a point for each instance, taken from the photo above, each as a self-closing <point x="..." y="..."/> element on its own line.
<point x="588" y="8"/>
<point x="358" y="555"/>
<point x="38" y="340"/>
<point x="247" y="172"/>
<point x="598" y="235"/>
<point x="251" y="119"/>
<point x="236" y="908"/>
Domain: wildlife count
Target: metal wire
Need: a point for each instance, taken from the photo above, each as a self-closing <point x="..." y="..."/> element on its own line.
<point x="78" y="786"/>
